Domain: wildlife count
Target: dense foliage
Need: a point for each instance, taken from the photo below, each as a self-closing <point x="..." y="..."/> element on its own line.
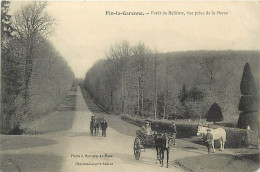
<point x="214" y="114"/>
<point x="249" y="103"/>
<point x="235" y="137"/>
<point x="247" y="85"/>
<point x="161" y="85"/>
<point x="34" y="76"/>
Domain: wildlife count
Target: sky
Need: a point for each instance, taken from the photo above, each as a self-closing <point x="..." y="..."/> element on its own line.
<point x="84" y="32"/>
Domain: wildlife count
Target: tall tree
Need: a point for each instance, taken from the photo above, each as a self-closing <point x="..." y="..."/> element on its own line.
<point x="166" y="89"/>
<point x="183" y="95"/>
<point x="248" y="104"/>
<point x="6" y="24"/>
<point x="210" y="67"/>
<point x="156" y="63"/>
<point x="140" y="52"/>
<point x="118" y="55"/>
<point x="32" y="24"/>
<point x="8" y="69"/>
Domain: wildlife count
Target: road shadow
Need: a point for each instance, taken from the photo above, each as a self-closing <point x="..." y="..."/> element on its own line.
<point x="30" y="162"/>
<point x="81" y="134"/>
<point x="54" y="122"/>
<point x="188" y="147"/>
<point x="19" y="142"/>
<point x="220" y="162"/>
<point x="85" y="134"/>
<point x="130" y="159"/>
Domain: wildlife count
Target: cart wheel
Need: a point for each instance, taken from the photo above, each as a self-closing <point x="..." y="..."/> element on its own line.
<point x="137" y="148"/>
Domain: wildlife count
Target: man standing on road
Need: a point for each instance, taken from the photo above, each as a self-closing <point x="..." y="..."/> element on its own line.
<point x="174" y="132"/>
<point x="104" y="128"/>
<point x="209" y="140"/>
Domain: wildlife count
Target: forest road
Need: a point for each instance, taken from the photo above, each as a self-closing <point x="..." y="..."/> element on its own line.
<point x="84" y="152"/>
<point x="76" y="150"/>
<point x="67" y="145"/>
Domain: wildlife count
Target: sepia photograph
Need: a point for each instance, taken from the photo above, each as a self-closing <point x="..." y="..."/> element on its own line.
<point x="133" y="86"/>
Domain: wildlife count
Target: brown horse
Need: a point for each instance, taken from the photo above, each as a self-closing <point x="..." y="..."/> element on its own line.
<point x="163" y="143"/>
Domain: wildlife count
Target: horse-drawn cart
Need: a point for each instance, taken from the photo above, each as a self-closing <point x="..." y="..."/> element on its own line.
<point x="143" y="141"/>
<point x="160" y="141"/>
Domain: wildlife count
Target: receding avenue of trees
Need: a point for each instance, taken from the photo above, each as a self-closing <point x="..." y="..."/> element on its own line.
<point x="34" y="76"/>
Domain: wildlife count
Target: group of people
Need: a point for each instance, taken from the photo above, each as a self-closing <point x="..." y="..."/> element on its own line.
<point x="94" y="125"/>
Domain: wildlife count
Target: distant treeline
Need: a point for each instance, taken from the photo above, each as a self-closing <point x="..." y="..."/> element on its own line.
<point x="137" y="81"/>
<point x="34" y="76"/>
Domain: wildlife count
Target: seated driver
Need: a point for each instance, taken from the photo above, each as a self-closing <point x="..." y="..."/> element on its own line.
<point x="146" y="128"/>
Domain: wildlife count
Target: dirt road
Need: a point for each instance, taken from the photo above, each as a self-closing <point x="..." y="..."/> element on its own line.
<point x="96" y="153"/>
<point x="76" y="150"/>
<point x="66" y="145"/>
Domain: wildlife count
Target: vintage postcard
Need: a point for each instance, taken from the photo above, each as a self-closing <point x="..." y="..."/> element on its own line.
<point x="107" y="86"/>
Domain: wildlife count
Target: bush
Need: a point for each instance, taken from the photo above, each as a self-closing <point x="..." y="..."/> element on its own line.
<point x="248" y="104"/>
<point x="250" y="119"/>
<point x="247" y="85"/>
<point x="235" y="137"/>
<point x="214" y="114"/>
<point x="16" y="131"/>
<point x="230" y="124"/>
<point x="183" y="130"/>
<point x="249" y="101"/>
<point x="134" y="121"/>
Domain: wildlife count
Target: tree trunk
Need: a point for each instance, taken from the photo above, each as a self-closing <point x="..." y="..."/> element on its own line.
<point x="138" y="97"/>
<point x="122" y="87"/>
<point x="166" y="90"/>
<point x="27" y="80"/>
<point x="155" y="88"/>
<point x="111" y="101"/>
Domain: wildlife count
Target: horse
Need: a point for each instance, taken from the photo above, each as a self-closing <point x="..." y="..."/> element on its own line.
<point x="218" y="134"/>
<point x="97" y="126"/>
<point x="162" y="144"/>
<point x="93" y="127"/>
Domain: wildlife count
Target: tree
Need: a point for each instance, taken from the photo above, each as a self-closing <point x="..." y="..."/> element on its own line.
<point x="140" y="53"/>
<point x="32" y="24"/>
<point x="9" y="70"/>
<point x="195" y="94"/>
<point x="210" y="67"/>
<point x="214" y="114"/>
<point x="166" y="89"/>
<point x="183" y="95"/>
<point x="247" y="85"/>
<point x="249" y="100"/>
<point x="118" y="55"/>
<point x="6" y="23"/>
<point x="156" y="63"/>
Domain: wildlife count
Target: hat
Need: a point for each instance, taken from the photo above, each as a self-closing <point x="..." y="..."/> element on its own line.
<point x="147" y="121"/>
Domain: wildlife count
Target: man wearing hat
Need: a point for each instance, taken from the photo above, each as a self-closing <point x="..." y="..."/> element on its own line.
<point x="146" y="128"/>
<point x="209" y="140"/>
<point x="174" y="132"/>
<point x="93" y="125"/>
